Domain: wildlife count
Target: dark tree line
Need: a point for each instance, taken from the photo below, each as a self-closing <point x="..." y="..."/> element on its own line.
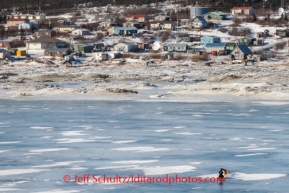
<point x="26" y="6"/>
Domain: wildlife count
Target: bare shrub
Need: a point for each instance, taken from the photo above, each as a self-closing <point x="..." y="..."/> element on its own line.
<point x="155" y="56"/>
<point x="127" y="55"/>
<point x="165" y="35"/>
<point x="141" y="11"/>
<point x="223" y="30"/>
<point x="240" y="32"/>
<point x="280" y="46"/>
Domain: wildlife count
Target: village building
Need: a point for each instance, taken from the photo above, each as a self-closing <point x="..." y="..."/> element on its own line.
<point x="4" y="53"/>
<point x="198" y="11"/>
<point x="106" y="55"/>
<point x="230" y="47"/>
<point x="111" y="18"/>
<point x="218" y="48"/>
<point x="246" y="41"/>
<point x="131" y="24"/>
<point x="124" y="31"/>
<point x="282" y="33"/>
<point x="184" y="38"/>
<point x="67" y="28"/>
<point x="60" y="52"/>
<point x="85" y="48"/>
<point x="176" y="47"/>
<point x="7" y="44"/>
<point x="28" y="26"/>
<point x="14" y="22"/>
<point x="26" y="16"/>
<point x="199" y="22"/>
<point x="126" y="47"/>
<point x="45" y="32"/>
<point x="241" y="52"/>
<point x="216" y="15"/>
<point x="210" y="39"/>
<point x="157" y="25"/>
<point x="45" y="42"/>
<point x="162" y="17"/>
<point x="184" y="22"/>
<point x="137" y="17"/>
<point x="242" y="11"/>
<point x="105" y="25"/>
<point x="80" y="32"/>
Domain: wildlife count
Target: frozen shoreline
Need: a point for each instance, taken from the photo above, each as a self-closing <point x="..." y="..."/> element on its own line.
<point x="166" y="82"/>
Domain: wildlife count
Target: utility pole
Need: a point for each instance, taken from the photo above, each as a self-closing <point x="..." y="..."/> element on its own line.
<point x="39" y="8"/>
<point x="177" y="25"/>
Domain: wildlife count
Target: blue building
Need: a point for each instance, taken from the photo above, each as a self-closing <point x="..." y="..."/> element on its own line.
<point x="210" y="39"/>
<point x="176" y="47"/>
<point x="124" y="31"/>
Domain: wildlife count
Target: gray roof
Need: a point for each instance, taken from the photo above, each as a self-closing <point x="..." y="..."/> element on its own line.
<point x="3" y="50"/>
<point x="201" y="18"/>
<point x="45" y="39"/>
<point x="245" y="49"/>
<point x="216" y="44"/>
<point x="126" y="28"/>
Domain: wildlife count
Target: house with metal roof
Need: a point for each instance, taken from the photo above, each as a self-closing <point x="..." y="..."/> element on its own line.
<point x="124" y="31"/>
<point x="218" y="47"/>
<point x="230" y="47"/>
<point x="176" y="47"/>
<point x="45" y="42"/>
<point x="242" y="11"/>
<point x="241" y="52"/>
<point x="210" y="39"/>
<point x="199" y="22"/>
<point x="216" y="15"/>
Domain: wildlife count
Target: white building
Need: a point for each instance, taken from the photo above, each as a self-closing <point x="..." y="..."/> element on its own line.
<point x="106" y="55"/>
<point x="27" y="25"/>
<point x="80" y="32"/>
<point x="125" y="47"/>
<point x="199" y="22"/>
<point x="44" y="42"/>
<point x="242" y="11"/>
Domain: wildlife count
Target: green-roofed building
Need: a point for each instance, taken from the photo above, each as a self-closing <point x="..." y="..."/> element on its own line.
<point x="216" y="15"/>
